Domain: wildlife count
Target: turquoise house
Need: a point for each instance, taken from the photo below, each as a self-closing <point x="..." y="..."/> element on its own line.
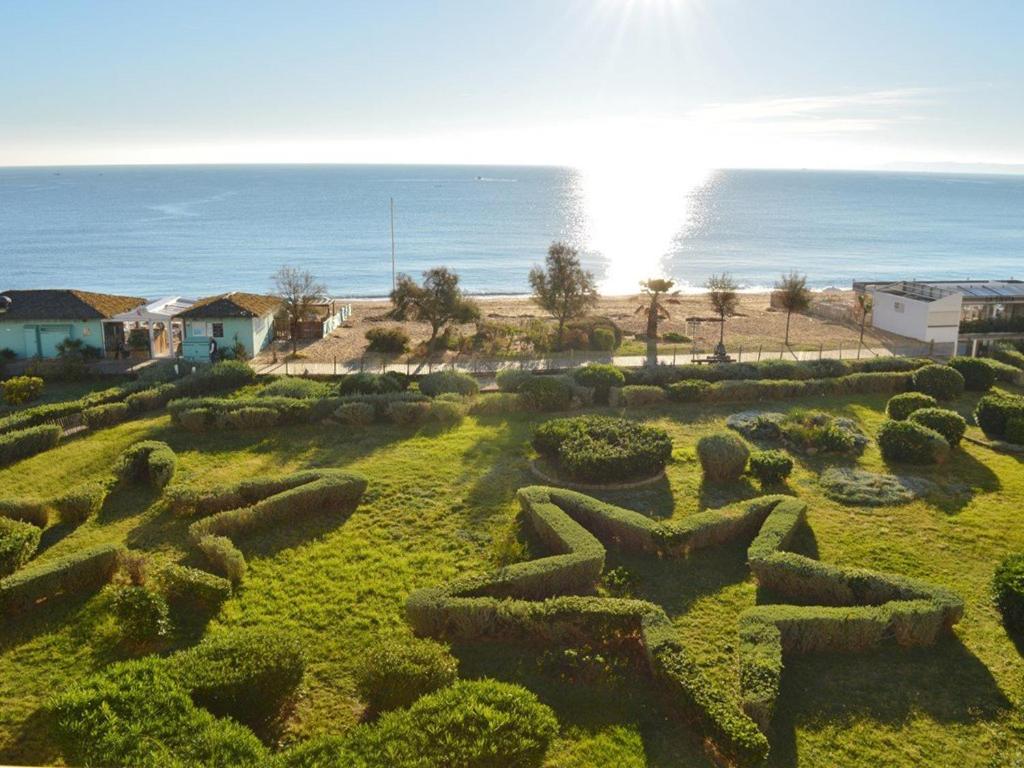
<point x="33" y="323"/>
<point x="219" y="323"/>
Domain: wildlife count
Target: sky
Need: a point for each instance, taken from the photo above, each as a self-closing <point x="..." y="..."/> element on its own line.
<point x="710" y="83"/>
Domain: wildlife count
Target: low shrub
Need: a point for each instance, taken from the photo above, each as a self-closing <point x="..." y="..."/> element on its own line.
<point x="80" y="503"/>
<point x="224" y="557"/>
<point x="193" y="588"/>
<point x="496" y="404"/>
<point x="811" y="432"/>
<point x="692" y="391"/>
<point x="599" y="449"/>
<point x="1008" y="354"/>
<point x="994" y="412"/>
<point x="723" y="457"/>
<point x="371" y="384"/>
<point x="245" y="674"/>
<point x="979" y="374"/>
<point x="636" y="395"/>
<point x="940" y="381"/>
<point x="151" y="399"/>
<point x="42" y="414"/>
<point x="901" y="406"/>
<point x="394" y="673"/>
<point x="1008" y="374"/>
<point x="149" y="461"/>
<point x="770" y="467"/>
<point x="31" y="511"/>
<point x="219" y="377"/>
<point x="381" y="403"/>
<point x="294" y="386"/>
<point x="195" y="419"/>
<point x="510" y="379"/>
<point x="409" y="414"/>
<point x="21" y="389"/>
<point x="18" y="542"/>
<point x="15" y="446"/>
<point x="545" y="393"/>
<point x="100" y="416"/>
<point x="80" y="572"/>
<point x="911" y="443"/>
<point x="603" y="339"/>
<point x="1015" y="430"/>
<point x="441" y="382"/>
<point x="355" y="414"/>
<point x="1008" y="590"/>
<point x="447" y="412"/>
<point x="248" y="418"/>
<point x="600" y="378"/>
<point x="390" y="340"/>
<point x="142" y="615"/>
<point x="949" y="424"/>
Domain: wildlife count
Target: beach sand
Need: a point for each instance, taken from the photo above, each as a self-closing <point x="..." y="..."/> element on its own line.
<point x="755" y="324"/>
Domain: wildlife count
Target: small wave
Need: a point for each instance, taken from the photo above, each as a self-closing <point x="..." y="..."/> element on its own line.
<point x="186" y="208"/>
<point x="496" y="180"/>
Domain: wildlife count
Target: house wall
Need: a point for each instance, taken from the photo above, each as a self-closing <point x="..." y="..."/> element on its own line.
<point x="937" y="321"/>
<point x="254" y="334"/>
<point x="263" y="333"/>
<point x="13" y="335"/>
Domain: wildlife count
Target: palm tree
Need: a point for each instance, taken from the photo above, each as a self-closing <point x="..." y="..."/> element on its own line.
<point x="793" y="295"/>
<point x="722" y="293"/>
<point x="654" y="288"/>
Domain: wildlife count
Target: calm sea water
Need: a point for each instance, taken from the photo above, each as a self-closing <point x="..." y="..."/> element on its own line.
<point x="199" y="230"/>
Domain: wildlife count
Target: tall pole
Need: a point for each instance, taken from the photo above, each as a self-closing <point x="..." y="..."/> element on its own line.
<point x="393" y="283"/>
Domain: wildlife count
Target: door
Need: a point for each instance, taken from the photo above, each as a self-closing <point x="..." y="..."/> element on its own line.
<point x="31" y="341"/>
<point x="50" y="336"/>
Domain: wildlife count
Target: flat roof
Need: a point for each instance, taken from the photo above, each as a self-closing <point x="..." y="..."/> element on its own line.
<point x="972" y="291"/>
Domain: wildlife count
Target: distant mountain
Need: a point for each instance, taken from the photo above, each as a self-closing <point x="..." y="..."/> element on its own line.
<point x="1000" y="168"/>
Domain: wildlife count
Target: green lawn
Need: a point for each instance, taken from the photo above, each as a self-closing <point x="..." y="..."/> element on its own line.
<point x="441" y="504"/>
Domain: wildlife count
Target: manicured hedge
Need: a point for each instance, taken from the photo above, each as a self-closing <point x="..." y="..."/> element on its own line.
<point x="355" y="414"/>
<point x="689" y="391"/>
<point x="372" y="383"/>
<point x="394" y="673"/>
<point x="723" y="457"/>
<point x="599" y="449"/>
<point x="1008" y="590"/>
<point x="949" y="424"/>
<point x="18" y="542"/>
<point x="900" y="407"/>
<point x="753" y="390"/>
<point x="770" y="466"/>
<point x="545" y="393"/>
<point x="979" y="374"/>
<point x="940" y="381"/>
<point x="40" y="414"/>
<point x="82" y="571"/>
<point x="224" y="557"/>
<point x="441" y="382"/>
<point x="209" y="413"/>
<point x="193" y="588"/>
<point x="994" y="411"/>
<point x="149" y="461"/>
<point x="638" y="395"/>
<point x="510" y="379"/>
<point x="790" y="370"/>
<point x="219" y="377"/>
<point x="100" y="416"/>
<point x="15" y="446"/>
<point x="78" y="504"/>
<point x="294" y="386"/>
<point x="26" y="511"/>
<point x="601" y="378"/>
<point x="1008" y="354"/>
<point x="911" y="443"/>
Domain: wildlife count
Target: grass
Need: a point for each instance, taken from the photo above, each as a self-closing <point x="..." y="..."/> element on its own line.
<point x="441" y="504"/>
<point x="58" y="392"/>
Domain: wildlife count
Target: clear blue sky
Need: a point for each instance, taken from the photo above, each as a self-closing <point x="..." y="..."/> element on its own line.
<point x="782" y="83"/>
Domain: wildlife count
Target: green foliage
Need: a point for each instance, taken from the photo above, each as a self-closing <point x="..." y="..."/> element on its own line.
<point x="389" y="341"/>
<point x="355" y="414"/>
<point x="979" y="374"/>
<point x="601" y="378"/>
<point x="496" y="404"/>
<point x="193" y="588"/>
<point x="510" y="379"/>
<point x="994" y="413"/>
<point x="910" y="443"/>
<point x="409" y="414"/>
<point x="245" y="674"/>
<point x="294" y="386"/>
<point x="394" y="673"/>
<point x="439" y="301"/>
<point x="949" y="424"/>
<point x="1015" y="430"/>
<point x="108" y="415"/>
<point x="151" y="399"/>
<point x="80" y="572"/>
<point x="545" y="393"/>
<point x="142" y="615"/>
<point x="603" y="339"/>
<point x="813" y="431"/>
<point x="219" y="377"/>
<point x="149" y="461"/>
<point x="78" y="504"/>
<point x="562" y="288"/>
<point x="770" y="467"/>
<point x="1008" y="590"/>
<point x="901" y="406"/>
<point x="601" y="450"/>
<point x="41" y="414"/>
<point x="1008" y="354"/>
<point x="26" y="510"/>
<point x="21" y="389"/>
<point x="370" y="384"/>
<point x="440" y="382"/>
<point x="224" y="557"/>
<point x="723" y="457"/>
<point x="28" y="442"/>
<point x="638" y="395"/>
<point x="940" y="381"/>
<point x="18" y="542"/>
<point x="690" y="391"/>
<point x="860" y="488"/>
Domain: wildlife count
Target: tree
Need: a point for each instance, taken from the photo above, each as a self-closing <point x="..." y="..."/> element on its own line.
<point x="300" y="291"/>
<point x="562" y="287"/>
<point x="439" y="301"/>
<point x="655" y="288"/>
<point x="793" y="295"/>
<point x="864" y="304"/>
<point x="722" y="293"/>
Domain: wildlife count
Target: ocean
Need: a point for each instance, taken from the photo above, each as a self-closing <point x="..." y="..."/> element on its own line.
<point x="199" y="230"/>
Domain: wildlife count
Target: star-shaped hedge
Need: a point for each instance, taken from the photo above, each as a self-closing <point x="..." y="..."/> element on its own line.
<point x="546" y="600"/>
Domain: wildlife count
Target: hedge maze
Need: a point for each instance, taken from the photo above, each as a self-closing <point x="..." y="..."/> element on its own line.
<point x="550" y="600"/>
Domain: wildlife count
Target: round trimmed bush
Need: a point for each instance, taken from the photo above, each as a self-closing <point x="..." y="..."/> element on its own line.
<point x="770" y="467"/>
<point x="355" y="414"/>
<point x="979" y="374"/>
<point x="545" y="393"/>
<point x="142" y="614"/>
<point x="441" y="382"/>
<point x="689" y="390"/>
<point x="149" y="461"/>
<point x="901" y="406"/>
<point x="723" y="457"/>
<point x="599" y="449"/>
<point x="940" y="381"/>
<point x="995" y="412"/>
<point x="910" y="443"/>
<point x="510" y="379"/>
<point x="370" y="384"/>
<point x="601" y="378"/>
<point x="396" y="673"/>
<point x="1008" y="590"/>
<point x="294" y="387"/>
<point x="949" y="424"/>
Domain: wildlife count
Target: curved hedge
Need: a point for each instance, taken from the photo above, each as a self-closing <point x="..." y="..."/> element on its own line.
<point x="723" y="457"/>
<point x="900" y="407"/>
<point x="911" y="443"/>
<point x="949" y="424"/>
<point x="994" y="412"/>
<point x="1008" y="590"/>
<point x="148" y="461"/>
<point x="979" y="373"/>
<point x="600" y="449"/>
<point x="18" y="542"/>
<point x="82" y="571"/>
<point x="940" y="381"/>
<point x="23" y="443"/>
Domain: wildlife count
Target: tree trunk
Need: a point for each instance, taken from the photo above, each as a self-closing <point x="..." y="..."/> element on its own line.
<point x="652" y="333"/>
<point x="561" y="333"/>
<point x="789" y="314"/>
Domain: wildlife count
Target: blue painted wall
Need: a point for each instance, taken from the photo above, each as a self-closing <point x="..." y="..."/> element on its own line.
<point x="254" y="334"/>
<point x="29" y="338"/>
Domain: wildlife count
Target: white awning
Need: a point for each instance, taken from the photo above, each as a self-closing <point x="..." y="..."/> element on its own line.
<point x="159" y="311"/>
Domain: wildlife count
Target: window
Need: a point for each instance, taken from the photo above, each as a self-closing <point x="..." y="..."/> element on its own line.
<point x="218" y="330"/>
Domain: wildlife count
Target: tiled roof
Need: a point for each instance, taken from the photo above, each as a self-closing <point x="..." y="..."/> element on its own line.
<point x="233" y="305"/>
<point x="65" y="304"/>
